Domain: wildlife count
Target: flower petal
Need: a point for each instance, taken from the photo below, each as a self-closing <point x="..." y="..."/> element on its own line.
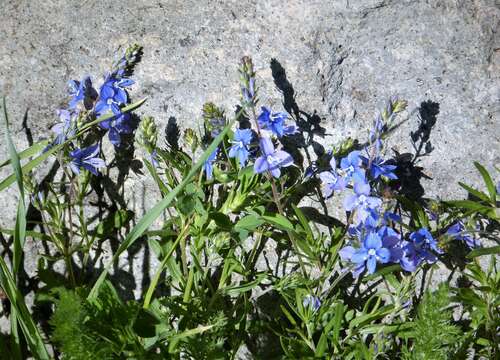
<point x="275" y="172"/>
<point x="372" y="241"/>
<point x="371" y="264"/>
<point x="283" y="158"/>
<point x="384" y="255"/>
<point x="261" y="165"/>
<point x="114" y="137"/>
<point x="266" y="146"/>
<point x="346" y="252"/>
<point x="359" y="256"/>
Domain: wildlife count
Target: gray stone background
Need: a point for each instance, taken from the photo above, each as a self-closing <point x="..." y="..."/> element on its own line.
<point x="344" y="58"/>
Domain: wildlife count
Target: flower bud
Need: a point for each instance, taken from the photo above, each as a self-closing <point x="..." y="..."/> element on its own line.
<point x="191" y="139"/>
<point x="213" y="118"/>
<point x="148" y="134"/>
<point x="247" y="82"/>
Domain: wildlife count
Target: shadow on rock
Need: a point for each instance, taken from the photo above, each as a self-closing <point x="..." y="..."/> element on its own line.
<point x="408" y="172"/>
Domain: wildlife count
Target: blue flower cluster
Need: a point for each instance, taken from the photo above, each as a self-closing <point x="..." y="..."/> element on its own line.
<point x="372" y="229"/>
<point x="87" y="103"/>
<point x="268" y="125"/>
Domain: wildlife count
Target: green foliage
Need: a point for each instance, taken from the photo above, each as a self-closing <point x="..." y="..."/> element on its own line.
<point x="433" y="336"/>
<point x="102" y="328"/>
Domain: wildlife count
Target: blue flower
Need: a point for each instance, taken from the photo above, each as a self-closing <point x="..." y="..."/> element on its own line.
<point x="271" y="160"/>
<point x="241" y="142"/>
<point x="361" y="202"/>
<point x="372" y="251"/>
<point x="331" y="181"/>
<point x="120" y="123"/>
<point x="423" y="239"/>
<point x="208" y="167"/>
<point x="153" y="157"/>
<point x="420" y="248"/>
<point x="311" y="170"/>
<point x="312" y="301"/>
<point x="391" y="240"/>
<point x="249" y="92"/>
<point x="87" y="159"/>
<point x="375" y="133"/>
<point x="65" y="129"/>
<point x="378" y="167"/>
<point x="351" y="167"/>
<point x="274" y="122"/>
<point x="111" y="92"/>
<point x="82" y="91"/>
<point x="457" y="231"/>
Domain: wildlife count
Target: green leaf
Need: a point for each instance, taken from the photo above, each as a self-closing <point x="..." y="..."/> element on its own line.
<point x="322" y="346"/>
<point x="249" y="223"/>
<point x="152" y="170"/>
<point x="279" y="221"/>
<point x="20" y="226"/>
<point x="479" y="194"/>
<point x="28" y="327"/>
<point x="30" y="233"/>
<point x="418" y="213"/>
<point x="31" y="151"/>
<point x="174" y="340"/>
<point x="336" y="323"/>
<point x="236" y="290"/>
<point x="468" y="204"/>
<point x="223" y="221"/>
<point x="381" y="272"/>
<point x="487" y="180"/>
<point x="304" y="222"/>
<point x="153" y="213"/>
<point x="484" y="251"/>
<point x="361" y="320"/>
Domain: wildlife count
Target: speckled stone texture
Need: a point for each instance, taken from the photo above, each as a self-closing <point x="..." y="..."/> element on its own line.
<point x="340" y="59"/>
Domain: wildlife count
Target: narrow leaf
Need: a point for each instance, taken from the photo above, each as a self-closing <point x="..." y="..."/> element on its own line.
<point x="487" y="180"/>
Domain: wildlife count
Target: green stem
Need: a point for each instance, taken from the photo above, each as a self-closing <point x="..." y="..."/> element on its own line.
<point x="189" y="285"/>
<point x="156" y="278"/>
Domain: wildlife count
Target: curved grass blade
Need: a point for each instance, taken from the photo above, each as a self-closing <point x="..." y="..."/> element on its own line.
<point x="19" y="233"/>
<point x="28" y="327"/>
<point x="34" y="149"/>
<point x="20" y="227"/>
<point x="487" y="180"/>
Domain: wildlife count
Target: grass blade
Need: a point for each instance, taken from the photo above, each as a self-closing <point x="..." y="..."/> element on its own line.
<point x="20" y="227"/>
<point x="28" y="327"/>
<point x="487" y="180"/>
<point x="34" y="149"/>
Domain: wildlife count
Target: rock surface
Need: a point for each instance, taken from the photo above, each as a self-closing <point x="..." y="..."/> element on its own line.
<point x="341" y="60"/>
